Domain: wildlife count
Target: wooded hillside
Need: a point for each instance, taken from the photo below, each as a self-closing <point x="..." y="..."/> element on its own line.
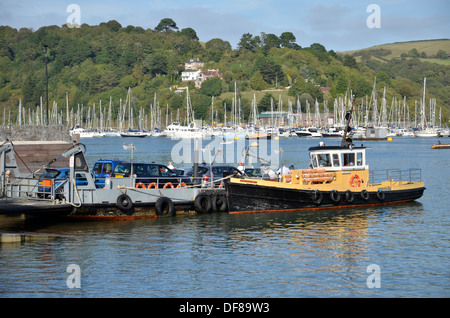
<point x="96" y="63"/>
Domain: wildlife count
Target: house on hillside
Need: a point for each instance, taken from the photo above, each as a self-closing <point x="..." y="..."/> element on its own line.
<point x="194" y="65"/>
<point x="205" y="75"/>
<point x="190" y="75"/>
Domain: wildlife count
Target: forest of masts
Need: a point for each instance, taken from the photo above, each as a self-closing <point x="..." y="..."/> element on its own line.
<point x="369" y="112"/>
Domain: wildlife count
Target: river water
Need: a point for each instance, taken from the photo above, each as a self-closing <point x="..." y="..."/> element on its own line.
<point x="391" y="251"/>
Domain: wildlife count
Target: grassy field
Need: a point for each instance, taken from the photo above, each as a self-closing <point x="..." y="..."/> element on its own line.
<point x="394" y="50"/>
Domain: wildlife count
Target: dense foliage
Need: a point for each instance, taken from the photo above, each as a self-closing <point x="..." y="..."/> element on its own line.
<point x="94" y="63"/>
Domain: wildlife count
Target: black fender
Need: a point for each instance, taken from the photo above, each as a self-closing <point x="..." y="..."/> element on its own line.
<point x="219" y="203"/>
<point x="335" y="196"/>
<point x="202" y="203"/>
<point x="124" y="203"/>
<point x="349" y="196"/>
<point x="317" y="197"/>
<point x="165" y="207"/>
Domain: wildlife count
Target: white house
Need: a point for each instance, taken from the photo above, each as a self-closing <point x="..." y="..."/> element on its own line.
<point x="190" y="75"/>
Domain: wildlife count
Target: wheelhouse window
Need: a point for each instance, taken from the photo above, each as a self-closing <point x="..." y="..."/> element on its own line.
<point x="324" y="160"/>
<point x="359" y="159"/>
<point x="348" y="159"/>
<point x="336" y="160"/>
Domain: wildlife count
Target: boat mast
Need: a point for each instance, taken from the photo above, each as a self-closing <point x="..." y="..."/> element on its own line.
<point x="346" y="141"/>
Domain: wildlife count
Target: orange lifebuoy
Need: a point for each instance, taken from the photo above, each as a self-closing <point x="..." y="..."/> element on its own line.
<point x="182" y="184"/>
<point x="151" y="185"/>
<point x="358" y="181"/>
<point x="168" y="184"/>
<point x="221" y="185"/>
<point x="140" y="185"/>
<point x="287" y="178"/>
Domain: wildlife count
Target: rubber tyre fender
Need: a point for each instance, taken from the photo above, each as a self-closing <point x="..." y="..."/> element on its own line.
<point x="124" y="203"/>
<point x="349" y="196"/>
<point x="317" y="197"/>
<point x="335" y="196"/>
<point x="365" y="195"/>
<point x="202" y="203"/>
<point x="219" y="203"/>
<point x="381" y="195"/>
<point x="165" y="207"/>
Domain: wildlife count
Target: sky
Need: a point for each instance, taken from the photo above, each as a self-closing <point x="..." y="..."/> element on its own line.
<point x="338" y="25"/>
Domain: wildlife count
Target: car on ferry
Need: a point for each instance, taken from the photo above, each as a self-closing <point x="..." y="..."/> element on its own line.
<point x="103" y="169"/>
<point x="150" y="175"/>
<point x="57" y="176"/>
<point x="218" y="173"/>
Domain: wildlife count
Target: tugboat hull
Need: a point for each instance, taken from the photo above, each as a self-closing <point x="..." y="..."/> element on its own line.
<point x="248" y="198"/>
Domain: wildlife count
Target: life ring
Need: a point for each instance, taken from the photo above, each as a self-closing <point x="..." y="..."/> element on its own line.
<point x="140" y="185"/>
<point x="349" y="196"/>
<point x="358" y="181"/>
<point x="287" y="178"/>
<point x="365" y="195"/>
<point x="124" y="202"/>
<point x="221" y="185"/>
<point x="219" y="203"/>
<point x="164" y="207"/>
<point x="202" y="203"/>
<point x="182" y="184"/>
<point x="151" y="185"/>
<point x="168" y="184"/>
<point x="335" y="196"/>
<point x="381" y="195"/>
<point x="317" y="197"/>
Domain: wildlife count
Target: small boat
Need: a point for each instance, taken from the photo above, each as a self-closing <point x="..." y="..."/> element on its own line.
<point x="440" y="146"/>
<point x="134" y="133"/>
<point x="308" y="132"/>
<point x="259" y="136"/>
<point x="338" y="177"/>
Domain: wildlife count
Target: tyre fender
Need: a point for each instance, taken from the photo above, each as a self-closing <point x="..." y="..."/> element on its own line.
<point x="165" y="207"/>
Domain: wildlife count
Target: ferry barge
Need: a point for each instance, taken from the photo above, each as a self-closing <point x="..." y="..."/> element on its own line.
<point x="77" y="196"/>
<point x="338" y="177"/>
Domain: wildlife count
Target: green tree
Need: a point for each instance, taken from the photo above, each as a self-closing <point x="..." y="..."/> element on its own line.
<point x="350" y="61"/>
<point x="257" y="81"/>
<point x="441" y="54"/>
<point x="287" y="39"/>
<point x="156" y="64"/>
<point x="165" y="25"/>
<point x="248" y="42"/>
<point x="265" y="102"/>
<point x="269" y="69"/>
<point x="211" y="87"/>
<point x="215" y="48"/>
<point x="190" y="34"/>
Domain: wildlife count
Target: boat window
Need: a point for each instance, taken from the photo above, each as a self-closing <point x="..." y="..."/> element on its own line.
<point x="313" y="161"/>
<point x="359" y="158"/>
<point x="335" y="160"/>
<point x="324" y="160"/>
<point x="348" y="159"/>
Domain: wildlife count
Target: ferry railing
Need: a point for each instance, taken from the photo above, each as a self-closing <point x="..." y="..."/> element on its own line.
<point x="396" y="175"/>
<point x="21" y="187"/>
<point x="176" y="182"/>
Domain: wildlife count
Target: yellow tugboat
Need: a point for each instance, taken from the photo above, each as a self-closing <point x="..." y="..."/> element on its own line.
<point x="338" y="177"/>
